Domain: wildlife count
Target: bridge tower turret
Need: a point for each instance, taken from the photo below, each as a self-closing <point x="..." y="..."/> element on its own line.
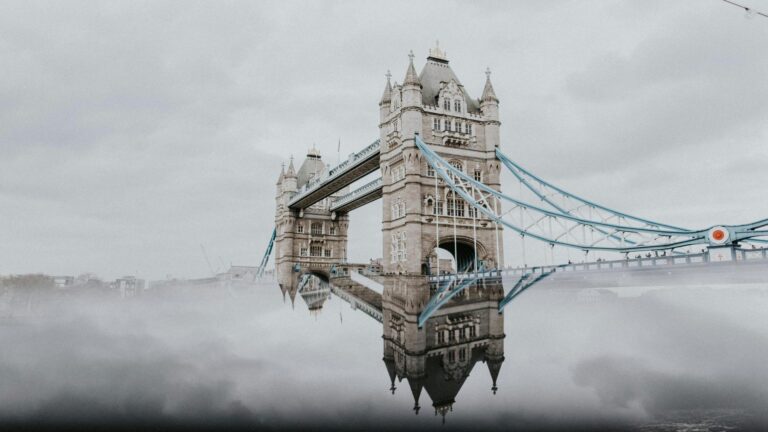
<point x="309" y="240"/>
<point x="463" y="130"/>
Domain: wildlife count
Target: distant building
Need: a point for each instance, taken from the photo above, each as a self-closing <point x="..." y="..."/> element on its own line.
<point x="247" y="274"/>
<point x="63" y="282"/>
<point x="129" y="286"/>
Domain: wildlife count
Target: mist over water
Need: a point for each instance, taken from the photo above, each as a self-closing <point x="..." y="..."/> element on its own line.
<point x="249" y="358"/>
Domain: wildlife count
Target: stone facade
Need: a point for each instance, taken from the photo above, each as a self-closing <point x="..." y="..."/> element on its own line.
<point x="309" y="240"/>
<point x="464" y="131"/>
<point x="440" y="356"/>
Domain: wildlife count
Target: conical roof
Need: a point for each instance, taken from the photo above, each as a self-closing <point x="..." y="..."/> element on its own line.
<point x="291" y="170"/>
<point x="282" y="174"/>
<point x="312" y="167"/>
<point x="389" y="362"/>
<point x="488" y="94"/>
<point x="410" y="75"/>
<point x="386" y="97"/>
<point x="494" y="366"/>
<point x="434" y="76"/>
<point x="416" y="385"/>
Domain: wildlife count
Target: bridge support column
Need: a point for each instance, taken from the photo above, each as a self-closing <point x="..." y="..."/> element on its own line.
<point x="721" y="253"/>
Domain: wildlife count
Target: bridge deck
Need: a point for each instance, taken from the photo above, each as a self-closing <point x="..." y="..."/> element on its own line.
<point x="357" y="166"/>
<point x="359" y="296"/>
<point x="359" y="197"/>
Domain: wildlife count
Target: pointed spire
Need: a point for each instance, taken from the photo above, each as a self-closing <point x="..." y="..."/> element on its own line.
<point x="488" y="94"/>
<point x="416" y="386"/>
<point x="282" y="173"/>
<point x="494" y="366"/>
<point x="291" y="170"/>
<point x="386" y="98"/>
<point x="410" y="75"/>
<point x="389" y="362"/>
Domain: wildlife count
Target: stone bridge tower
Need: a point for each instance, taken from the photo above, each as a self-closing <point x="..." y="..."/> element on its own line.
<point x="308" y="240"/>
<point x="461" y="129"/>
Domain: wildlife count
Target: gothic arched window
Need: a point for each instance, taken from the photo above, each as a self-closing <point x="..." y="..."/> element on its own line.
<point x="457" y="105"/>
<point x="447" y="104"/>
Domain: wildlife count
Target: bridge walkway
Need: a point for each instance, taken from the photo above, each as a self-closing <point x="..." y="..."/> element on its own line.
<point x="358" y="296"/>
<point x="357" y="166"/>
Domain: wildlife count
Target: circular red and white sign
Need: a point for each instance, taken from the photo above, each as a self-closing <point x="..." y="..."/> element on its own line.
<point x="718" y="235"/>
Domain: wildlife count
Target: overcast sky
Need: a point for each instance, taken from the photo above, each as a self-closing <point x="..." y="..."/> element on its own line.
<point x="133" y="132"/>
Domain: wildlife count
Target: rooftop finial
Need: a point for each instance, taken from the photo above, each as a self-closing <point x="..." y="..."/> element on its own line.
<point x="388" y="75"/>
<point x="488" y="73"/>
<point x="437" y="53"/>
<point x="410" y="55"/>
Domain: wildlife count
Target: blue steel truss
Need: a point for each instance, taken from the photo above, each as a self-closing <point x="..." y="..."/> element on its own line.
<point x="559" y="227"/>
<point x="570" y="204"/>
<point x="523" y="284"/>
<point x="446" y="292"/>
<point x="263" y="265"/>
<point x="303" y="281"/>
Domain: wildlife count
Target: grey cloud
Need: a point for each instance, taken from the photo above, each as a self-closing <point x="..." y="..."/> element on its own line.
<point x="153" y="127"/>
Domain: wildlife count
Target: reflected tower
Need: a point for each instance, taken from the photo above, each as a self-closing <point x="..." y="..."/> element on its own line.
<point x="438" y="358"/>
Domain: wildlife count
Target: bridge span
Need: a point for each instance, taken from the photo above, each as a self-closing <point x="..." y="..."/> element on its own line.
<point x="358" y="165"/>
<point x="440" y="160"/>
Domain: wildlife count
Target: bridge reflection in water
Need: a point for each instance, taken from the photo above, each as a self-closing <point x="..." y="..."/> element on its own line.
<point x="432" y="360"/>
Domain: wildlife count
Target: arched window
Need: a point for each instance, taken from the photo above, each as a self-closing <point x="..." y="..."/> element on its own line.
<point x="398" y="209"/>
<point x="430" y="170"/>
<point x="447" y="104"/>
<point x="436" y="124"/>
<point x="393" y="249"/>
<point x="467" y="128"/>
<point x="457" y="164"/>
<point x="457" y="105"/>
<point x="454" y="206"/>
<point x="398" y="250"/>
<point x="478" y="175"/>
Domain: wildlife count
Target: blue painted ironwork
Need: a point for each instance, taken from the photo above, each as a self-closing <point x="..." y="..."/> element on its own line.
<point x="263" y="265"/>
<point x="523" y="284"/>
<point x="445" y="293"/>
<point x="303" y="281"/>
<point x="615" y="237"/>
<point x="571" y="204"/>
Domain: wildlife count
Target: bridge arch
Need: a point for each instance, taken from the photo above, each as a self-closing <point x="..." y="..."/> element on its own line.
<point x="321" y="274"/>
<point x="462" y="249"/>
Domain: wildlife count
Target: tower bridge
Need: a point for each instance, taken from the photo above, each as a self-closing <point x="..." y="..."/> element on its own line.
<point x="440" y="159"/>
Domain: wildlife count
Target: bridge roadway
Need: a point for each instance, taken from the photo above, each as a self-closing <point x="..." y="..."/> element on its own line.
<point x="359" y="197"/>
<point x="358" y="296"/>
<point x="357" y="166"/>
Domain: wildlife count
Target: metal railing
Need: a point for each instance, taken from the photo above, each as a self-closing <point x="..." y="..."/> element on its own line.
<point x="653" y="261"/>
<point x="336" y="171"/>
<point x="348" y="198"/>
